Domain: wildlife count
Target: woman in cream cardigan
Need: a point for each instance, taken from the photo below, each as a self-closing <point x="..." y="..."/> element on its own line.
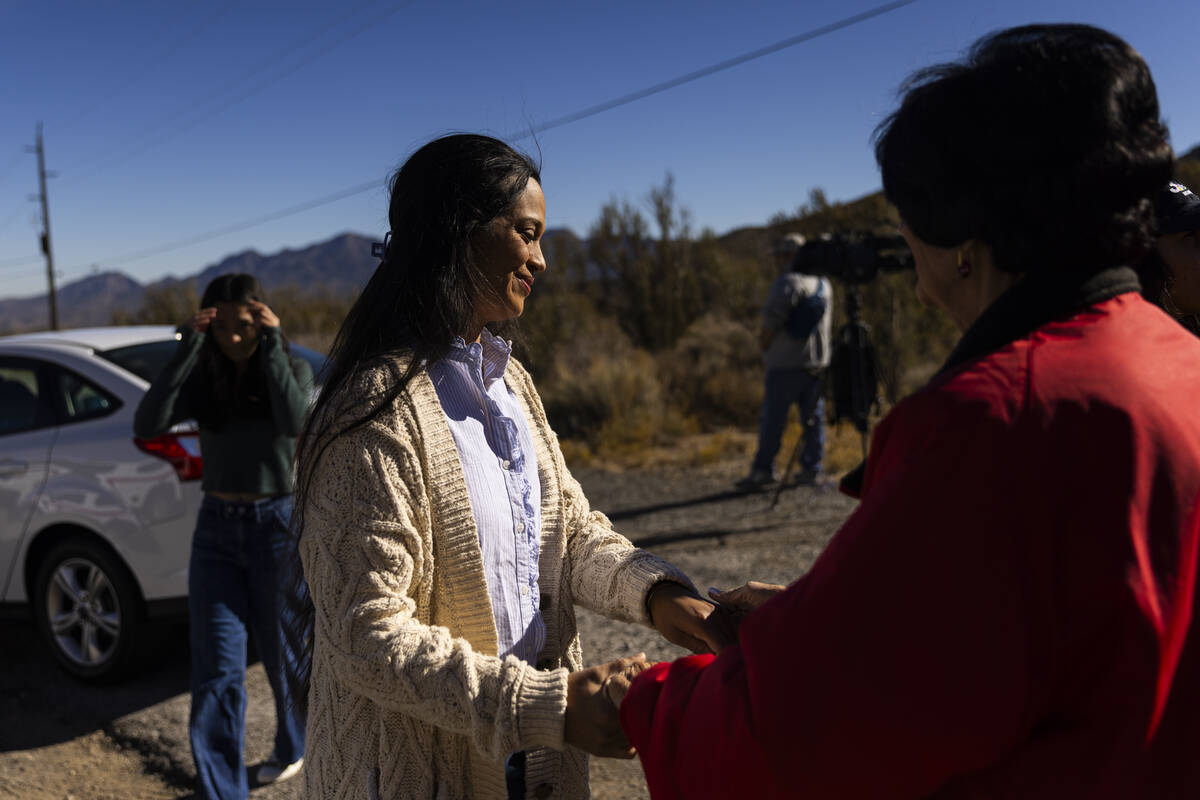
<point x="443" y="539"/>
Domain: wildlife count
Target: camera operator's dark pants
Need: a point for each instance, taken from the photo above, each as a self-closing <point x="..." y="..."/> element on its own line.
<point x="785" y="386"/>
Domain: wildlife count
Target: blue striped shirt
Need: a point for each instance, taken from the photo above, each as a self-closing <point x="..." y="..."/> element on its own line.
<point x="500" y="467"/>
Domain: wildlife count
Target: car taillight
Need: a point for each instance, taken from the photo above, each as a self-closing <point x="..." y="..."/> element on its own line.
<point x="181" y="449"/>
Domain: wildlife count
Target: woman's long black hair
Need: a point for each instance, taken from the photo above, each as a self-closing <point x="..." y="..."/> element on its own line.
<point x="230" y="394"/>
<point x="419" y="299"/>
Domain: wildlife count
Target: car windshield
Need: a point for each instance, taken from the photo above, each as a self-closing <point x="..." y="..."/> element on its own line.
<point x="148" y="359"/>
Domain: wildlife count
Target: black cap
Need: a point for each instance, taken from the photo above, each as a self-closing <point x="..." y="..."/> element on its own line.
<point x="1178" y="209"/>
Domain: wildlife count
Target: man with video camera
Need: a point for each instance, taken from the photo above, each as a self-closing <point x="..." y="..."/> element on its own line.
<point x="795" y="338"/>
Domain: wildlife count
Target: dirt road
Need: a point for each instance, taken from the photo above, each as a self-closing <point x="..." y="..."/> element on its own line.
<point x="59" y="739"/>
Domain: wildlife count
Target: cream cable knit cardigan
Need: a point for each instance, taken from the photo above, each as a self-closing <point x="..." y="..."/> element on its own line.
<point x="408" y="698"/>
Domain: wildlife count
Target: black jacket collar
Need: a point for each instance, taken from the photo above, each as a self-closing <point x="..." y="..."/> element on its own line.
<point x="1027" y="306"/>
<point x="1032" y="303"/>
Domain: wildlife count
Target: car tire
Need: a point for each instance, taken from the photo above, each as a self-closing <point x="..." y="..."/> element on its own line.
<point x="88" y="610"/>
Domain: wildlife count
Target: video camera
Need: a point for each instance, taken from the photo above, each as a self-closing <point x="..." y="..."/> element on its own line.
<point x="852" y="257"/>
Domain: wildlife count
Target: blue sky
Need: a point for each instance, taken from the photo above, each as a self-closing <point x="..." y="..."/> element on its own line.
<point x="168" y="120"/>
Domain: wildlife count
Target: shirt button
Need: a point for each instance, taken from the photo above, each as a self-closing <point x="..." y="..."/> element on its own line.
<point x="524" y="591"/>
<point x="505" y="464"/>
<point x="520" y="526"/>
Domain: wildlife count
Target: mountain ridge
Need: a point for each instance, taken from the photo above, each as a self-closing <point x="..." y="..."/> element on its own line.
<point x="339" y="266"/>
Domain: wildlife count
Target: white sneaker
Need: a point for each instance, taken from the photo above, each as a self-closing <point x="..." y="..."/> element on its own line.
<point x="272" y="771"/>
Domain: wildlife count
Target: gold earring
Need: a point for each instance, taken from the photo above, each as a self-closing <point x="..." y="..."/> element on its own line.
<point x="964" y="267"/>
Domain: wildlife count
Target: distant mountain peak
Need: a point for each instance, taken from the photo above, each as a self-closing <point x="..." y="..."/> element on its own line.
<point x="337" y="266"/>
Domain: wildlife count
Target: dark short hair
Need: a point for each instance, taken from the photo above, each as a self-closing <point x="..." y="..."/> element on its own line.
<point x="1044" y="142"/>
<point x="232" y="287"/>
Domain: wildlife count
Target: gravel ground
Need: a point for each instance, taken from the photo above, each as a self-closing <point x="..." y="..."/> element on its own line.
<point x="59" y="739"/>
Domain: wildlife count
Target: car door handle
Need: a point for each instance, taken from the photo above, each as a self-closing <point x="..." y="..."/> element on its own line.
<point x="11" y="469"/>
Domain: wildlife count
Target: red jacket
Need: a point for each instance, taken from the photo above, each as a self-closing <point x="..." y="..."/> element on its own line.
<point x="1006" y="614"/>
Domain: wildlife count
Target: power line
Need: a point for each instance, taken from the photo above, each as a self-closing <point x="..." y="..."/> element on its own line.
<point x="720" y="66"/>
<point x="41" y="271"/>
<point x="152" y="140"/>
<point x="235" y="227"/>
<point x="555" y="123"/>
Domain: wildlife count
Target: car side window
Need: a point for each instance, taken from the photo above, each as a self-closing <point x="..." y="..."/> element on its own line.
<point x="81" y="399"/>
<point x="144" y="360"/>
<point x="23" y="404"/>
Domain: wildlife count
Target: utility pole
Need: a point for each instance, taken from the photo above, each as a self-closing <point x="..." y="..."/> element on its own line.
<point x="41" y="154"/>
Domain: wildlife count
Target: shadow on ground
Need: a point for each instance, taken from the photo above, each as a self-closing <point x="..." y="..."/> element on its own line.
<point x="41" y="705"/>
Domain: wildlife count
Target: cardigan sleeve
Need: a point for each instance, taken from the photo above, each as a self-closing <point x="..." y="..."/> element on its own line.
<point x="364" y="537"/>
<point x="913" y="651"/>
<point x="608" y="574"/>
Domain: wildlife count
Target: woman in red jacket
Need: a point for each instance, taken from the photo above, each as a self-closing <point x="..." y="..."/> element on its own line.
<point x="1008" y="613"/>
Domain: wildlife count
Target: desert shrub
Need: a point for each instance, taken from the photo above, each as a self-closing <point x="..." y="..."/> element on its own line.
<point x="560" y="325"/>
<point x="311" y="319"/>
<point x="639" y="415"/>
<point x="573" y="375"/>
<point x="657" y="280"/>
<point x="162" y="305"/>
<point x="714" y="372"/>
<point x="604" y="391"/>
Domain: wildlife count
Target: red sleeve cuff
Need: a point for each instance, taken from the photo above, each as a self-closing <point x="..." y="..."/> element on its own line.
<point x="646" y="702"/>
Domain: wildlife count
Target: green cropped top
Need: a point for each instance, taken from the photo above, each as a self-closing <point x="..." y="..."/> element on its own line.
<point x="246" y="455"/>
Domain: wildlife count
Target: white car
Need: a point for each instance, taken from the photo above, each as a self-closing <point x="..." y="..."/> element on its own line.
<point x="95" y="525"/>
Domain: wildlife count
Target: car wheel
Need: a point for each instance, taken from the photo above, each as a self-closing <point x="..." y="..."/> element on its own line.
<point x="87" y="609"/>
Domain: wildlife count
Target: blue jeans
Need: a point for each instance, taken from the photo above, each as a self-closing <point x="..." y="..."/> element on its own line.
<point x="236" y="582"/>
<point x="784" y="387"/>
<point x="514" y="775"/>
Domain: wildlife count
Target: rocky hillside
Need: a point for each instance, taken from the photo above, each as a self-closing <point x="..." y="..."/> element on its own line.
<point x="340" y="267"/>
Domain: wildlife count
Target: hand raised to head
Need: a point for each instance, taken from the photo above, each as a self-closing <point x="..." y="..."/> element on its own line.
<point x="263" y="316"/>
<point x="200" y="321"/>
<point x="592" y="722"/>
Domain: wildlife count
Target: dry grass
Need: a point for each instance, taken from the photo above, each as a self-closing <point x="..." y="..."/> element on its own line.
<point x="731" y="446"/>
<point x="692" y="450"/>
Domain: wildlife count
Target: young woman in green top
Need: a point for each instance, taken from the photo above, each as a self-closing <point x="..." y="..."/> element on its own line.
<point x="233" y="374"/>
